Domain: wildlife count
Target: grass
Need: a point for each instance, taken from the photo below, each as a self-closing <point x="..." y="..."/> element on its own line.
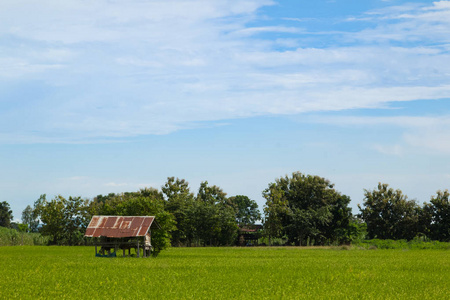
<point x="224" y="273"/>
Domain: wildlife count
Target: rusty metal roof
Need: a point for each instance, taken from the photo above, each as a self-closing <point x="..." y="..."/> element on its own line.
<point x="120" y="226"/>
<point x="250" y="228"/>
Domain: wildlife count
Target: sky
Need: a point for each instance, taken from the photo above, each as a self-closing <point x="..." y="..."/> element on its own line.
<point x="116" y="95"/>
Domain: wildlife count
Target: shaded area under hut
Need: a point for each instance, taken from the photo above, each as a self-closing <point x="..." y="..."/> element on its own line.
<point x="112" y="233"/>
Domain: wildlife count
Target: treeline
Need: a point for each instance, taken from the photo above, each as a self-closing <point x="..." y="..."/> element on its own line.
<point x="299" y="210"/>
<point x="390" y="215"/>
<point x="306" y="209"/>
<point x="207" y="218"/>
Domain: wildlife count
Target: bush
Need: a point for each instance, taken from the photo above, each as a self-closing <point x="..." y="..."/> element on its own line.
<point x="12" y="237"/>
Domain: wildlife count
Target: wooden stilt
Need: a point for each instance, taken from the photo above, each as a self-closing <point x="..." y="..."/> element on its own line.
<point x="138" y="250"/>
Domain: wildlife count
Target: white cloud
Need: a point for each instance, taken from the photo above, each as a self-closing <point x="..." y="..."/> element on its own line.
<point x="396" y="150"/>
<point x="428" y="134"/>
<point x="409" y="22"/>
<point x="119" y="69"/>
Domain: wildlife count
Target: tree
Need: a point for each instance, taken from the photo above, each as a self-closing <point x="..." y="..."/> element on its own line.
<point x="52" y="215"/>
<point x="389" y="214"/>
<point x="440" y="216"/>
<point x="211" y="194"/>
<point x="5" y="214"/>
<point x="246" y="209"/>
<point x="306" y="207"/>
<point x="64" y="220"/>
<point x="275" y="209"/>
<point x="29" y="219"/>
<point x="178" y="200"/>
<point x="211" y="218"/>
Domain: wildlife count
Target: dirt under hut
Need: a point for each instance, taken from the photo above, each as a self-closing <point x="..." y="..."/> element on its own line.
<point x="111" y="233"/>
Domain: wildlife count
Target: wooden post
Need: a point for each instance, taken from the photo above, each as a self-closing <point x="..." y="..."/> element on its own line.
<point x="138" y="250"/>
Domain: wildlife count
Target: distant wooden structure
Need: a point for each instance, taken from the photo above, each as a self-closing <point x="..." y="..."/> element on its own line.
<point x="112" y="233"/>
<point x="249" y="234"/>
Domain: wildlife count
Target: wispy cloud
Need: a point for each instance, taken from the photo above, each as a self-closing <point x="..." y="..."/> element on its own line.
<point x="109" y="70"/>
<point x="389" y="149"/>
<point x="424" y="133"/>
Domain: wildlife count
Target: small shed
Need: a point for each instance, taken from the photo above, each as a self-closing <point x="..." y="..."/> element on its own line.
<point x="249" y="234"/>
<point x="112" y="233"/>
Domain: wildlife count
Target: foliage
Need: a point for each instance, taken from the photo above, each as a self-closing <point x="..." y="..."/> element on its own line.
<point x="178" y="200"/>
<point x="211" y="218"/>
<point x="299" y="210"/>
<point x="247" y="211"/>
<point x="5" y="214"/>
<point x="64" y="220"/>
<point x="12" y="237"/>
<point x="29" y="218"/>
<point x="306" y="207"/>
<point x="440" y="216"/>
<point x="389" y="214"/>
<point x="225" y="273"/>
<point x="276" y="207"/>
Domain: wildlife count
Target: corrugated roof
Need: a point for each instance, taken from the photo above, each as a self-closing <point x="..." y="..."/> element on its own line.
<point x="120" y="226"/>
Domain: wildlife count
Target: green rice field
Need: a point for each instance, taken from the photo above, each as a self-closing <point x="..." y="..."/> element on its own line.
<point x="43" y="272"/>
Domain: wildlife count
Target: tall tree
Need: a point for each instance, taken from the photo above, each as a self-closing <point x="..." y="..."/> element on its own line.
<point x="5" y="214"/>
<point x="306" y="207"/>
<point x="63" y="220"/>
<point x="212" y="217"/>
<point x="52" y="216"/>
<point x="275" y="209"/>
<point x="178" y="201"/>
<point x="440" y="216"/>
<point x="247" y="211"/>
<point x="211" y="194"/>
<point x="389" y="214"/>
<point x="29" y="219"/>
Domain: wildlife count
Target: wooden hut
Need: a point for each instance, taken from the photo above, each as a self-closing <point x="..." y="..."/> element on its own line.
<point x="112" y="233"/>
<point x="249" y="234"/>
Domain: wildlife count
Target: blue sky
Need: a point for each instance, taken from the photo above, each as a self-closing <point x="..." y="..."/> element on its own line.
<point x="113" y="96"/>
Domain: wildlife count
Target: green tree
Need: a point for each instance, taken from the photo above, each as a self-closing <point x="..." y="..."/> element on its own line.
<point x="211" y="218"/>
<point x="5" y="214"/>
<point x="247" y="211"/>
<point x="275" y="209"/>
<point x="211" y="194"/>
<point x="440" y="216"/>
<point x="28" y="218"/>
<point x="306" y="207"/>
<point x="63" y="220"/>
<point x="389" y="214"/>
<point x="52" y="216"/>
<point x="178" y="201"/>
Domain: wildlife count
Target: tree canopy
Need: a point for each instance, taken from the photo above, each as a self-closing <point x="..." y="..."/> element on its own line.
<point x="5" y="214"/>
<point x="389" y="214"/>
<point x="301" y="209"/>
<point x="306" y="208"/>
